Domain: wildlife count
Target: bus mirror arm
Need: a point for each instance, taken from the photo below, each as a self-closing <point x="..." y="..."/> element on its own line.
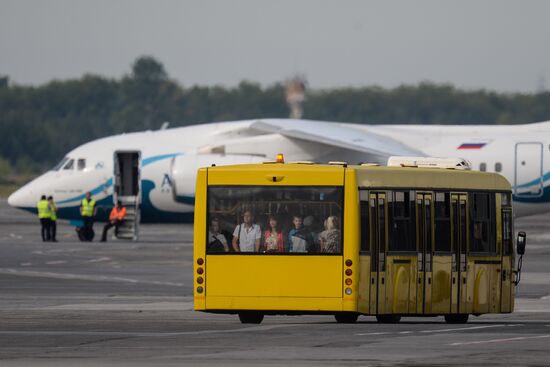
<point x="520" y="243"/>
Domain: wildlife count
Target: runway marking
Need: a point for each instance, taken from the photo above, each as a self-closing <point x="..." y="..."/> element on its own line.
<point x="56" y="262"/>
<point x="93" y="278"/>
<point x="379" y="333"/>
<point x="17" y="237"/>
<point x="100" y="259"/>
<point x="406" y="332"/>
<point x="461" y="329"/>
<point x="25" y="264"/>
<point x="501" y="340"/>
<point x="545" y="297"/>
<point x="146" y="334"/>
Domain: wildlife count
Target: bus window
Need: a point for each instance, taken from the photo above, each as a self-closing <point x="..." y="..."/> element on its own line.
<point x="481" y="231"/>
<point x="275" y="220"/>
<point x="442" y="222"/>
<point x="507" y="232"/>
<point x="402" y="226"/>
<point x="365" y="245"/>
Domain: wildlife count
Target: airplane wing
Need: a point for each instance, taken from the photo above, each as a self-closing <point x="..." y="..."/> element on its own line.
<point x="337" y="135"/>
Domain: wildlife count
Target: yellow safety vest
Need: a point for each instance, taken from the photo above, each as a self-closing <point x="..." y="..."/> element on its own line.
<point x="88" y="208"/>
<point x="43" y="209"/>
<point x="53" y="211"/>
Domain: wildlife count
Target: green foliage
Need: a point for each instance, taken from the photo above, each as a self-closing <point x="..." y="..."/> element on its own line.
<point x="5" y="170"/>
<point x="38" y="125"/>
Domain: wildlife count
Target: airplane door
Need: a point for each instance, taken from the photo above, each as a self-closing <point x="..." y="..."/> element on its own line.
<point x="127" y="190"/>
<point x="528" y="177"/>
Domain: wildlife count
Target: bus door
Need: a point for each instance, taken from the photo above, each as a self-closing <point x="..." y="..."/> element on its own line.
<point x="459" y="276"/>
<point x="378" y="240"/>
<point x="425" y="251"/>
<point x="506" y="304"/>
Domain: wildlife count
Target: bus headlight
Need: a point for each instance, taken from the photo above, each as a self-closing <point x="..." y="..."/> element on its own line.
<point x="200" y="289"/>
<point x="349" y="291"/>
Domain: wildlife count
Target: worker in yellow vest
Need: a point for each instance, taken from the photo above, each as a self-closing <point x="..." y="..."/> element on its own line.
<point x="53" y="218"/>
<point x="44" y="215"/>
<point x="88" y="211"/>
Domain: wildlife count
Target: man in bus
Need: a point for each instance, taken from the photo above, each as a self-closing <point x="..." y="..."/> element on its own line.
<point x="247" y="235"/>
<point x="299" y="238"/>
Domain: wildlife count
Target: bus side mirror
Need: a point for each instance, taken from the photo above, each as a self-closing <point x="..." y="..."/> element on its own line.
<point x="520" y="243"/>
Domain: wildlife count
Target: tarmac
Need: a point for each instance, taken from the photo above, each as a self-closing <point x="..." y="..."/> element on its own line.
<point x="130" y="304"/>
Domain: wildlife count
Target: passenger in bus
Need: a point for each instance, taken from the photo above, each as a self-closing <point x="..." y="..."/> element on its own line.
<point x="330" y="237"/>
<point x="299" y="238"/>
<point x="309" y="226"/>
<point x="216" y="240"/>
<point x="247" y="235"/>
<point x="273" y="236"/>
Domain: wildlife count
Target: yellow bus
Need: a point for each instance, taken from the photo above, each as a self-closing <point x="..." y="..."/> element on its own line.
<point x="350" y="240"/>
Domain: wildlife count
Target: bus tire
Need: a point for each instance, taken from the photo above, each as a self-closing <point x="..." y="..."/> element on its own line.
<point x="461" y="318"/>
<point x="251" y="317"/>
<point x="346" y="318"/>
<point x="388" y="319"/>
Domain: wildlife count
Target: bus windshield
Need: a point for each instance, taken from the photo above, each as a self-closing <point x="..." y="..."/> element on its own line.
<point x="275" y="220"/>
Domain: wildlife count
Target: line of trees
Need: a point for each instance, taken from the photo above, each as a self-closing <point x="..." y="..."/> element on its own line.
<point x="38" y="124"/>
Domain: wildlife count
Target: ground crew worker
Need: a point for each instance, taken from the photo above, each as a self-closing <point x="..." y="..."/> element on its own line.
<point x="88" y="211"/>
<point x="44" y="215"/>
<point x="115" y="219"/>
<point x="53" y="218"/>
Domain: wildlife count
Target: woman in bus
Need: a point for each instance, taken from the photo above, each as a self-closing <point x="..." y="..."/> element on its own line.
<point x="330" y="237"/>
<point x="273" y="236"/>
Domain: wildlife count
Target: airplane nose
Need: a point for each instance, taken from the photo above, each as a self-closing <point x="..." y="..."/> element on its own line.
<point x="15" y="200"/>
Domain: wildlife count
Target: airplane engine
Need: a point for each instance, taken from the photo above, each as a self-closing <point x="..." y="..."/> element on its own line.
<point x="183" y="171"/>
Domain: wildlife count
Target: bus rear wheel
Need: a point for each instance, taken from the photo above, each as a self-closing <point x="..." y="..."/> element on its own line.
<point x="388" y="319"/>
<point x="346" y="318"/>
<point x="251" y="317"/>
<point x="457" y="319"/>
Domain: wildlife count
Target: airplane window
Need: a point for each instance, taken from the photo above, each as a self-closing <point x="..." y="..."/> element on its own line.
<point x="81" y="164"/>
<point x="483" y="167"/>
<point x="58" y="166"/>
<point x="69" y="165"/>
<point x="498" y="167"/>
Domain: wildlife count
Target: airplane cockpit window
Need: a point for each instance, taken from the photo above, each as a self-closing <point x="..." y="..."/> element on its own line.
<point x="81" y="164"/>
<point x="69" y="165"/>
<point x="58" y="166"/>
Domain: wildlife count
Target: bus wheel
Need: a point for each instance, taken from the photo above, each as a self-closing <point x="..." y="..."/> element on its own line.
<point x="251" y="317"/>
<point x="388" y="319"/>
<point x="346" y="318"/>
<point x="457" y="319"/>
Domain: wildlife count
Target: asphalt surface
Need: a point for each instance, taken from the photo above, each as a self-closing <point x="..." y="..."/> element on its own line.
<point x="130" y="304"/>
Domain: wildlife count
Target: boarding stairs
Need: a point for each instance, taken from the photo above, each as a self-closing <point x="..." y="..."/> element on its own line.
<point x="129" y="230"/>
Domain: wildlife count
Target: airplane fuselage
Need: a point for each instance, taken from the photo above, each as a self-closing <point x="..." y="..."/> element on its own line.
<point x="169" y="160"/>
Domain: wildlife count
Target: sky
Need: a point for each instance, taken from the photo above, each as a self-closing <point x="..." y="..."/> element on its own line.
<point x="493" y="44"/>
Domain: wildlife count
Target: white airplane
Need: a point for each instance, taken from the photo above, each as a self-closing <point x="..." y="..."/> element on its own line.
<point x="156" y="170"/>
